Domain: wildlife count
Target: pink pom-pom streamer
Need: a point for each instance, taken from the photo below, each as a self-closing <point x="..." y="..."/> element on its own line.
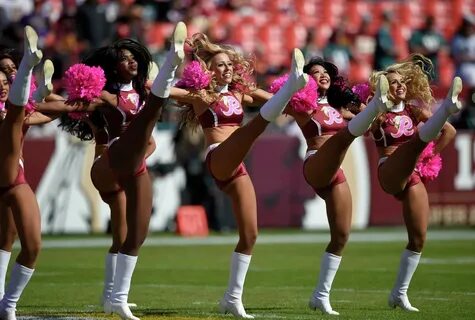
<point x="429" y="163"/>
<point x="194" y="77"/>
<point x="83" y="82"/>
<point x="2" y="106"/>
<point x="303" y="100"/>
<point x="362" y="90"/>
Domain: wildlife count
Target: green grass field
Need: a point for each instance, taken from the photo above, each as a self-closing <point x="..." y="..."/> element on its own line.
<point x="186" y="281"/>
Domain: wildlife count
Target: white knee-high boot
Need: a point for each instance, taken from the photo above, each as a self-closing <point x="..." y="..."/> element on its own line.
<point x="163" y="82"/>
<point x="45" y="87"/>
<point x="232" y="300"/>
<point x="123" y="277"/>
<point x="320" y="298"/>
<point x="109" y="274"/>
<point x="297" y="80"/>
<point x="4" y="260"/>
<point x="379" y="103"/>
<point x="407" y="267"/>
<point x="20" y="88"/>
<point x="449" y="106"/>
<point x="20" y="277"/>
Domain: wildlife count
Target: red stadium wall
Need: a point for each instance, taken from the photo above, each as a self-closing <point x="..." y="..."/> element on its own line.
<point x="37" y="153"/>
<point x="281" y="190"/>
<point x="276" y="170"/>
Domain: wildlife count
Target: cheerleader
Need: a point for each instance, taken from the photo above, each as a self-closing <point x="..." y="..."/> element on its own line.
<point x="214" y="88"/>
<point x="401" y="147"/>
<point x="330" y="116"/>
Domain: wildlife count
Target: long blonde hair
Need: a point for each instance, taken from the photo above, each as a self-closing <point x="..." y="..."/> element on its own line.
<point x="414" y="70"/>
<point x="203" y="50"/>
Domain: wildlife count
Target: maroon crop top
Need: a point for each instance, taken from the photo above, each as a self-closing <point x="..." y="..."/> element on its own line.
<point x="226" y="111"/>
<point x="397" y="128"/>
<point x="325" y="120"/>
<point x="128" y="107"/>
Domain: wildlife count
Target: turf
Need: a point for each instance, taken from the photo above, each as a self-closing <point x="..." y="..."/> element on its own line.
<point x="186" y="282"/>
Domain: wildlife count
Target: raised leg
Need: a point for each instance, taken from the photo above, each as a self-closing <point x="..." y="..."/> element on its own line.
<point x="129" y="151"/>
<point x="378" y="104"/>
<point x="11" y="128"/>
<point x="45" y="86"/>
<point x="449" y="106"/>
<point x="230" y="153"/>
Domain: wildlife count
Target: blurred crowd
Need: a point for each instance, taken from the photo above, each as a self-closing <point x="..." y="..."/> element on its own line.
<point x="357" y="35"/>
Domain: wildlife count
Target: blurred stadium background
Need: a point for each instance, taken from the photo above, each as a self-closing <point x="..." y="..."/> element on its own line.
<point x="181" y="278"/>
<point x="357" y="35"/>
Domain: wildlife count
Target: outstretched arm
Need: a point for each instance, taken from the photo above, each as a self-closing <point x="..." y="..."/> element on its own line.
<point x="182" y="95"/>
<point x="37" y="118"/>
<point x="62" y="105"/>
<point x="256" y="98"/>
<point x="55" y="106"/>
<point x="53" y="97"/>
<point x="347" y="114"/>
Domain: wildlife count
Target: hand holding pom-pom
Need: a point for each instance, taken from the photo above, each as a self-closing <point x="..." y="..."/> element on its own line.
<point x="83" y="82"/>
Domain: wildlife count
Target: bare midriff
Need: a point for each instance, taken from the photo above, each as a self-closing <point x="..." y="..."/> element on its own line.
<point x="218" y="134"/>
<point x="315" y="143"/>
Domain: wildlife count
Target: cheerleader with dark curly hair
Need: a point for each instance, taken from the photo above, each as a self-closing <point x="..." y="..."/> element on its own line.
<point x="330" y="126"/>
<point x="121" y="120"/>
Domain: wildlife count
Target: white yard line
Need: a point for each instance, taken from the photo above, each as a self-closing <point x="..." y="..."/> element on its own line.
<point x="370" y="236"/>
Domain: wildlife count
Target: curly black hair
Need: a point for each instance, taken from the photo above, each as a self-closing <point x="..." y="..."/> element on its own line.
<point x="82" y="128"/>
<point x="108" y="58"/>
<point x="13" y="55"/>
<point x="340" y="95"/>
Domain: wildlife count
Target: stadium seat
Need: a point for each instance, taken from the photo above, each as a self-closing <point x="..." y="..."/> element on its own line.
<point x="295" y="36"/>
<point x="191" y="221"/>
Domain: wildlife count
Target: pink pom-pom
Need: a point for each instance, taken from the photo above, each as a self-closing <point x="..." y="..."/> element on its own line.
<point x="83" y="82"/>
<point x="2" y="106"/>
<point x="362" y="90"/>
<point x="303" y="100"/>
<point x="429" y="163"/>
<point x="194" y="77"/>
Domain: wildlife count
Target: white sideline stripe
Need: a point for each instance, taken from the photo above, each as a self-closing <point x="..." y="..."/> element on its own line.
<point x="424" y="292"/>
<point x="459" y="260"/>
<point x="421" y="293"/>
<point x="371" y="236"/>
<point x="52" y="318"/>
